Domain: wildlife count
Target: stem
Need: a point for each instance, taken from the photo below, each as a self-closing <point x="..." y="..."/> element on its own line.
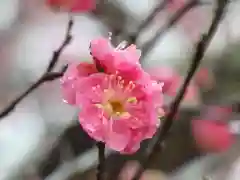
<point x="47" y="76"/>
<point x="198" y="55"/>
<point x="42" y="80"/>
<point x="172" y="21"/>
<point x="148" y="20"/>
<point x="101" y="161"/>
<point x="66" y="41"/>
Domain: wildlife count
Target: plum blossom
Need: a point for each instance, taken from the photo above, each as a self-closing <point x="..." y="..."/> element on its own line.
<point x="212" y="136"/>
<point x="211" y="131"/>
<point x="72" y="5"/>
<point x="172" y="82"/>
<point x="119" y="103"/>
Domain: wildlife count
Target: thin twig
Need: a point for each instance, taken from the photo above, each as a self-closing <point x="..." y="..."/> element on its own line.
<point x="172" y="21"/>
<point x="197" y="57"/>
<point x="101" y="161"/>
<point x="47" y="76"/>
<point x="148" y="20"/>
<point x="66" y="41"/>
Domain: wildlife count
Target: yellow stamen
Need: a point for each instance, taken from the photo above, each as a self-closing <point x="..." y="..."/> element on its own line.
<point x="132" y="100"/>
<point x="117" y="106"/>
<point x="114" y="108"/>
<point x="125" y="115"/>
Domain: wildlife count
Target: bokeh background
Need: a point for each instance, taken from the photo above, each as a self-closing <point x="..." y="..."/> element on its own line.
<point x="41" y="138"/>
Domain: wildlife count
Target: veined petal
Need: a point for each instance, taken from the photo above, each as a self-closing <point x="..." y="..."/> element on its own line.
<point x="93" y="121"/>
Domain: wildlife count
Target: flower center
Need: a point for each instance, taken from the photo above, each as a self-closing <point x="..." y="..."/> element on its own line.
<point x="116" y="99"/>
<point x="117" y="107"/>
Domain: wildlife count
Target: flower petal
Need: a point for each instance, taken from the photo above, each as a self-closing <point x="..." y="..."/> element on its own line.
<point x="93" y="122"/>
<point x="131" y="54"/>
<point x="118" y="135"/>
<point x="164" y="75"/>
<point x="91" y="89"/>
<point x="100" y="47"/>
<point x="75" y="73"/>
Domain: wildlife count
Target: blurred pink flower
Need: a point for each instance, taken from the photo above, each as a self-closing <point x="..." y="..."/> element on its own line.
<point x="174" y="5"/>
<point x="121" y="104"/>
<point x="72" y="5"/>
<point x="172" y="82"/>
<point x="190" y="94"/>
<point x="204" y="78"/>
<point x="212" y="136"/>
<point x="211" y="131"/>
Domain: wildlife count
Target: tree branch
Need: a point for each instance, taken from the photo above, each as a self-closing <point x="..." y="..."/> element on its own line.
<point x="101" y="161"/>
<point x="66" y="41"/>
<point x="148" y="20"/>
<point x="173" y="20"/>
<point x="197" y="57"/>
<point x="47" y="76"/>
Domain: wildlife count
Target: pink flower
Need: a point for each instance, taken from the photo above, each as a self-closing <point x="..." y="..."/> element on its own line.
<point x="211" y="132"/>
<point x="72" y="5"/>
<point x="212" y="136"/>
<point x="118" y="112"/>
<point x="121" y="104"/>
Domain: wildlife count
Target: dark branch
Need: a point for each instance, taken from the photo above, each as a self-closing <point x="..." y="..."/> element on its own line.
<point x="148" y="20"/>
<point x="101" y="161"/>
<point x="153" y="14"/>
<point x="47" y="76"/>
<point x="198" y="55"/>
<point x="173" y="20"/>
<point x="57" y="53"/>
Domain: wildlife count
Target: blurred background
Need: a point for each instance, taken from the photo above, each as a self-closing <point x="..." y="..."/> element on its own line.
<point x="41" y="138"/>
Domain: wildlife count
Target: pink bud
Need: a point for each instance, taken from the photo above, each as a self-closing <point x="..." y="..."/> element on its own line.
<point x="211" y="136"/>
<point x="204" y="78"/>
